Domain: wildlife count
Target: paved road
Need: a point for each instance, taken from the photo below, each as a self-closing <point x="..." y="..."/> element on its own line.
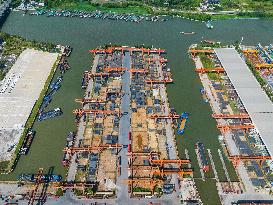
<point x="124" y="129"/>
<point x="171" y="143"/>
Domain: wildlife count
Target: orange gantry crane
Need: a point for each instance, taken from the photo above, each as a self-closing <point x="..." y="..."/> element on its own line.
<point x="210" y="70"/>
<point x="250" y="51"/>
<point x="91" y="149"/>
<point x="114" y="69"/>
<point x="181" y="172"/>
<point x="36" y="186"/>
<point x="89" y="100"/>
<point x="108" y="50"/>
<point x="159" y="81"/>
<point x="138" y="71"/>
<point x="237" y="158"/>
<point x="82" y="111"/>
<point x="230" y="116"/>
<point x="225" y="128"/>
<point x="171" y="116"/>
<point x="144" y="181"/>
<point x="161" y="162"/>
<point x="263" y="65"/>
<point x="196" y="51"/>
<point x="89" y="74"/>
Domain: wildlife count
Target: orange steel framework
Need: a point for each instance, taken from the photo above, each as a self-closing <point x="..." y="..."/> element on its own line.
<point x="89" y="100"/>
<point x="143" y="50"/>
<point x="194" y="51"/>
<point x="161" y="162"/>
<point x="82" y="111"/>
<point x="138" y="71"/>
<point x="230" y="116"/>
<point x="171" y="116"/>
<point x="250" y="51"/>
<point x="114" y="69"/>
<point x="144" y="181"/>
<point x="210" y="70"/>
<point x="90" y="74"/>
<point x="263" y="65"/>
<point x="237" y="158"/>
<point x="159" y="81"/>
<point x="173" y="171"/>
<point x="225" y="128"/>
<point x="91" y="149"/>
<point x="36" y="186"/>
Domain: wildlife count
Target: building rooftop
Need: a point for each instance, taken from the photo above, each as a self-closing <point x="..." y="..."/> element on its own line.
<point x="255" y="100"/>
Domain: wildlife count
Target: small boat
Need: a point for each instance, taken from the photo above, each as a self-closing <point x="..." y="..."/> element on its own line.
<point x="209" y="42"/>
<point x="182" y="123"/>
<point x="187" y="33"/>
<point x="209" y="25"/>
<point x="201" y="154"/>
<point x="203" y="92"/>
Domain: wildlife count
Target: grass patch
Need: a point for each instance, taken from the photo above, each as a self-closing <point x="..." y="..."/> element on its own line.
<point x="206" y="61"/>
<point x="4" y="165"/>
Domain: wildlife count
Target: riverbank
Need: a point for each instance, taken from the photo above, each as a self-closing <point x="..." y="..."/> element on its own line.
<point x="85" y="34"/>
<point x="136" y="8"/>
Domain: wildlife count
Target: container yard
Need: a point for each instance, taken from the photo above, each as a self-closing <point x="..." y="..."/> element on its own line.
<point x="242" y="120"/>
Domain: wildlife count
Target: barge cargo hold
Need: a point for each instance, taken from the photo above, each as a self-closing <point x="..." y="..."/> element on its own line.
<point x="201" y="154"/>
<point x="182" y="123"/>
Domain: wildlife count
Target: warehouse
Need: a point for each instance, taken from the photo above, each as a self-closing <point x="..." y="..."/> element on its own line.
<point x="255" y="100"/>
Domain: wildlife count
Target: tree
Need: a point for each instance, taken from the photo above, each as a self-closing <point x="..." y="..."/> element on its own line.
<point x="59" y="192"/>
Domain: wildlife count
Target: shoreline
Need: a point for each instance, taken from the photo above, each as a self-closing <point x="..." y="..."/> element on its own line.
<point x="193" y="16"/>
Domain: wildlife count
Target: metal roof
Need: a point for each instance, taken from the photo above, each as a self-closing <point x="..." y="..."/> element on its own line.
<point x="255" y="100"/>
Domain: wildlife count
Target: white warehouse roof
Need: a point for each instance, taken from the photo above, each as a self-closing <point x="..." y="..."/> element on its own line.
<point x="255" y="100"/>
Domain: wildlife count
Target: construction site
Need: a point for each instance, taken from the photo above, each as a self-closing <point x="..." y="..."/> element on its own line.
<point x="243" y="113"/>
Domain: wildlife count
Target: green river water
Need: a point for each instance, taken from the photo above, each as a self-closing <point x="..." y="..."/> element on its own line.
<point x="184" y="95"/>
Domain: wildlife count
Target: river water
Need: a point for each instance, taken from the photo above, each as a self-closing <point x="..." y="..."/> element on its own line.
<point x="184" y="95"/>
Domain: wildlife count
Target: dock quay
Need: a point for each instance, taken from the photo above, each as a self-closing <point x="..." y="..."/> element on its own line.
<point x="242" y="110"/>
<point x="20" y="89"/>
<point x="125" y="141"/>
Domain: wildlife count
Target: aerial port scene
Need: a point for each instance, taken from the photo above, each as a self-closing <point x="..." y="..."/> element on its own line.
<point x="136" y="103"/>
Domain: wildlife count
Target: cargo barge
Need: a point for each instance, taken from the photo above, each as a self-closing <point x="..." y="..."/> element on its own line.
<point x="27" y="142"/>
<point x="44" y="177"/>
<point x="187" y="33"/>
<point x="70" y="142"/>
<point x="201" y="154"/>
<point x="50" y="114"/>
<point x="56" y="83"/>
<point x="182" y="124"/>
<point x="203" y="92"/>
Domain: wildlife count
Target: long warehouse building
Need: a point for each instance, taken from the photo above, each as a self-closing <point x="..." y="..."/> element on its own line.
<point x="253" y="97"/>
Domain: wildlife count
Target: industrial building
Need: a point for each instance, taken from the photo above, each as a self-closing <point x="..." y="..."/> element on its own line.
<point x="256" y="102"/>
